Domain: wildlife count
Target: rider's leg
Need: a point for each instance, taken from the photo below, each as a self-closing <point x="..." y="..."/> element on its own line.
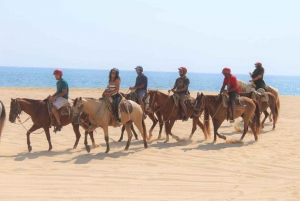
<point x="183" y="106"/>
<point x="140" y="98"/>
<point x="116" y="109"/>
<point x="233" y="97"/>
<point x="55" y="113"/>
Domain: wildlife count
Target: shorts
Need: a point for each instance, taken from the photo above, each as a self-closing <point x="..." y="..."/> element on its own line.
<point x="233" y="96"/>
<point x="182" y="96"/>
<point x="141" y="93"/>
<point x="59" y="102"/>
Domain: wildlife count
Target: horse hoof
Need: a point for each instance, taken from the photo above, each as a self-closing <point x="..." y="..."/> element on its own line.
<point x="136" y="138"/>
<point x="29" y="148"/>
<point x="88" y="149"/>
<point x="120" y="140"/>
<point x="107" y="150"/>
<point x="75" y="147"/>
<point x="126" y="149"/>
<point x="166" y="141"/>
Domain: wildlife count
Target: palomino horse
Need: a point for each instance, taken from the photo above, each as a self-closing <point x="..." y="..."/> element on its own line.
<point x="170" y="113"/>
<point x="214" y="105"/>
<point x="244" y="87"/>
<point x="264" y="105"/>
<point x="38" y="111"/>
<point x="100" y="116"/>
<point x="2" y="117"/>
<point x="133" y="96"/>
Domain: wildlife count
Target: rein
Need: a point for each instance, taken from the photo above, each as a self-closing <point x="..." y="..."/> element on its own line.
<point x="203" y="106"/>
<point x="150" y="105"/>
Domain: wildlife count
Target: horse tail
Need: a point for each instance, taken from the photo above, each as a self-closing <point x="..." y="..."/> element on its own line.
<point x="144" y="131"/>
<point x="276" y="113"/>
<point x="206" y="121"/>
<point x="278" y="106"/>
<point x="256" y="118"/>
<point x="2" y="117"/>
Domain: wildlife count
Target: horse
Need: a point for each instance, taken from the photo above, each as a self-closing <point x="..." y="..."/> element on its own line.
<point x="38" y="111"/>
<point x="213" y="103"/>
<point x="170" y="113"/>
<point x="2" y="117"/>
<point x="264" y="105"/>
<point x="101" y="116"/>
<point x="244" y="87"/>
<point x="133" y="96"/>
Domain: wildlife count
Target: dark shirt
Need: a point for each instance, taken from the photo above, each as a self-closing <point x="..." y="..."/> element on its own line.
<point x="141" y="79"/>
<point x="260" y="82"/>
<point x="180" y="82"/>
<point x="60" y="85"/>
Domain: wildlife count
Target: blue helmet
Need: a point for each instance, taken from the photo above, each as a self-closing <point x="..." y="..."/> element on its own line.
<point x="139" y="68"/>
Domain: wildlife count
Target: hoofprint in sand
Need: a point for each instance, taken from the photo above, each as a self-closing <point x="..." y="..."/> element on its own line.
<point x="187" y="170"/>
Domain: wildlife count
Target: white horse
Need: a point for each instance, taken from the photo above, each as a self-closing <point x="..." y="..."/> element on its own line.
<point x="2" y="116"/>
<point x="101" y="116"/>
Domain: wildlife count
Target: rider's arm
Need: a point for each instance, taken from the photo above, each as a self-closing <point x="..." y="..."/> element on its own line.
<point x="117" y="84"/>
<point x="64" y="92"/>
<point x="232" y="88"/>
<point x="222" y="88"/>
<point x="143" y="83"/>
<point x="257" y="77"/>
<point x="185" y="87"/>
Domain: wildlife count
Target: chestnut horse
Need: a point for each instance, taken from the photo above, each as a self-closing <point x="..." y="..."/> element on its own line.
<point x="265" y="105"/>
<point x="38" y="111"/>
<point x="170" y="113"/>
<point x="133" y="96"/>
<point x="2" y="116"/>
<point x="250" y="113"/>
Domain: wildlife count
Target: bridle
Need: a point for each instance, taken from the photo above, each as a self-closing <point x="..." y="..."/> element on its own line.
<point x="152" y="104"/>
<point x="19" y="110"/>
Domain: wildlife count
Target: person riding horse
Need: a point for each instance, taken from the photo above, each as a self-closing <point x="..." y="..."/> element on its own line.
<point x="60" y="97"/>
<point x="112" y="90"/>
<point x="140" y="86"/>
<point x="181" y="88"/>
<point x="257" y="76"/>
<point x="232" y="88"/>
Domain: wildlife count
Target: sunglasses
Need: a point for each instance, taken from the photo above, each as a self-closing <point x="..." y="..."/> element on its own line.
<point x="113" y="72"/>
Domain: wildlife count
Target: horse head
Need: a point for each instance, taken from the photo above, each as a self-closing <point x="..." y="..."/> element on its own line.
<point x="15" y="110"/>
<point x="199" y="104"/>
<point x="151" y="101"/>
<point x="77" y="110"/>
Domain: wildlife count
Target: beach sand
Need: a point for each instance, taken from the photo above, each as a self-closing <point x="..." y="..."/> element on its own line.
<point x="268" y="169"/>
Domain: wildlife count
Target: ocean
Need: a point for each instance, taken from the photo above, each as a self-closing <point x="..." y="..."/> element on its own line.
<point x="92" y="78"/>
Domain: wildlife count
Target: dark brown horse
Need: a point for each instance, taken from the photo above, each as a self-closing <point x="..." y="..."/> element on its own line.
<point x="133" y="96"/>
<point x="250" y="113"/>
<point x="272" y="104"/>
<point x="170" y="113"/>
<point x="38" y="111"/>
<point x="2" y="117"/>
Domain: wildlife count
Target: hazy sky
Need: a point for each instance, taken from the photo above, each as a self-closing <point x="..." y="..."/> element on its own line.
<point x="162" y="35"/>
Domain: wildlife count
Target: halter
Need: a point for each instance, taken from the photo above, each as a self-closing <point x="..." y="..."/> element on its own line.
<point x="18" y="111"/>
<point x="152" y="103"/>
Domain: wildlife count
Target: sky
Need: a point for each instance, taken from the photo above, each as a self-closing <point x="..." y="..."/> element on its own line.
<point x="160" y="35"/>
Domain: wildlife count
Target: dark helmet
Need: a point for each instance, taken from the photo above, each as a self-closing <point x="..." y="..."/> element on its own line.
<point x="139" y="68"/>
<point x="115" y="69"/>
<point x="57" y="72"/>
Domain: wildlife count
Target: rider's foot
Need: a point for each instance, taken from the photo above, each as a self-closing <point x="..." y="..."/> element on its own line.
<point x="57" y="128"/>
<point x="184" y="118"/>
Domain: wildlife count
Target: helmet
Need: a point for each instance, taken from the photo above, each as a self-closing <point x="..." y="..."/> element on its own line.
<point x="115" y="69"/>
<point x="183" y="69"/>
<point x="139" y="68"/>
<point x="226" y="70"/>
<point x="57" y="72"/>
<point x="258" y="64"/>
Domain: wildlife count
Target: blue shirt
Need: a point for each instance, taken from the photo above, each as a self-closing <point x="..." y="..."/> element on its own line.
<point x="142" y="79"/>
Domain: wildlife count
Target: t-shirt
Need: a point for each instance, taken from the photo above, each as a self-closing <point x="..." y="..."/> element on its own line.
<point x="60" y="85"/>
<point x="259" y="71"/>
<point x="230" y="82"/>
<point x="180" y="82"/>
<point x="142" y="79"/>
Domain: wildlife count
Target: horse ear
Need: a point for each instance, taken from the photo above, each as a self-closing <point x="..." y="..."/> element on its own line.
<point x="80" y="99"/>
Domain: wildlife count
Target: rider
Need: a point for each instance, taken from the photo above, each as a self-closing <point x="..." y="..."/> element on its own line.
<point x="232" y="88"/>
<point x="140" y="86"/>
<point x="181" y="88"/>
<point x="257" y="76"/>
<point x="60" y="97"/>
<point x="113" y="91"/>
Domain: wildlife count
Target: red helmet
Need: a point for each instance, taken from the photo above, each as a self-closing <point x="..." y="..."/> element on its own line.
<point x="58" y="71"/>
<point x="183" y="69"/>
<point x="258" y="64"/>
<point x="226" y="70"/>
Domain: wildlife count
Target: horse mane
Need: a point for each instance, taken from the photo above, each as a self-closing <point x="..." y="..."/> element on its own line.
<point x="212" y="98"/>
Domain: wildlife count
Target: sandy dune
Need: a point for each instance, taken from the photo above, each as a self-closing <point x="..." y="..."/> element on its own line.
<point x="265" y="170"/>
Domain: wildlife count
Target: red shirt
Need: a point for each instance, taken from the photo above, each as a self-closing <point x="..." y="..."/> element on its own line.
<point x="230" y="82"/>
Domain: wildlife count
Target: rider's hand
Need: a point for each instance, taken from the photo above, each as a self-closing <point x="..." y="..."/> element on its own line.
<point x="250" y="80"/>
<point x="53" y="99"/>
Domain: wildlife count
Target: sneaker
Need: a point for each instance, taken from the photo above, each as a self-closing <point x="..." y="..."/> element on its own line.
<point x="57" y="128"/>
<point x="185" y="118"/>
<point x="232" y="121"/>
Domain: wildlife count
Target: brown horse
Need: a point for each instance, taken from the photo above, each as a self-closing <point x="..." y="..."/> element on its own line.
<point x="265" y="105"/>
<point x="250" y="113"/>
<point x="133" y="96"/>
<point x="170" y="113"/>
<point x="2" y="116"/>
<point x="38" y="111"/>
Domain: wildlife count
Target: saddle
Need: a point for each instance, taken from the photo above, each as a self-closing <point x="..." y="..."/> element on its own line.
<point x="260" y="95"/>
<point x="188" y="101"/>
<point x="65" y="110"/>
<point x="239" y="102"/>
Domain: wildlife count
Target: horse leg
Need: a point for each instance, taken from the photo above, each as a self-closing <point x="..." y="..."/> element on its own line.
<point x="200" y="124"/>
<point x="77" y="134"/>
<point x="134" y="133"/>
<point x="46" y="129"/>
<point x="167" y="131"/>
<point x="91" y="133"/>
<point x="172" y="121"/>
<point x="105" y="129"/>
<point x="32" y="129"/>
<point x="128" y="130"/>
<point x="122" y="133"/>
<point x="87" y="147"/>
<point x="217" y="125"/>
<point x="194" y="128"/>
<point x="154" y="122"/>
<point x="266" y="116"/>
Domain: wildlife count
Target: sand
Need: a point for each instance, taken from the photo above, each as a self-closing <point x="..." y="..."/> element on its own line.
<point x="198" y="170"/>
